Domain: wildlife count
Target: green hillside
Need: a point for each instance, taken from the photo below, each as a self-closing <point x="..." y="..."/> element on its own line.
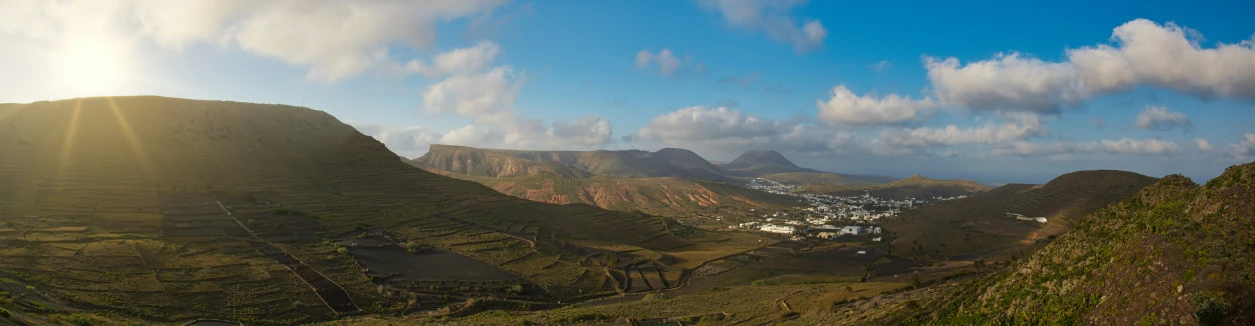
<point x="1174" y="253"/>
<point x="162" y="209"/>
<point x="979" y="225"/>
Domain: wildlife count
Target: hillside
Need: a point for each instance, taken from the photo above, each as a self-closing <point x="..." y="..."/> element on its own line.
<point x="493" y="163"/>
<point x="667" y="162"/>
<point x="979" y="226"/>
<point x="166" y="210"/>
<point x="916" y="186"/>
<point x="1174" y="253"/>
<point x="826" y="178"/>
<point x="756" y="163"/>
<point x="667" y="196"/>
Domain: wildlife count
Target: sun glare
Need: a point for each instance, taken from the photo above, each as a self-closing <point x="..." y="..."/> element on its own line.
<point x="92" y="66"/>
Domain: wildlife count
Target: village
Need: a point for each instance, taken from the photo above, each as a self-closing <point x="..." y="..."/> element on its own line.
<point x="829" y="216"/>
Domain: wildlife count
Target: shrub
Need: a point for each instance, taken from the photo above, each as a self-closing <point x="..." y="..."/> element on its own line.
<point x="79" y="320"/>
<point x="5" y="314"/>
<point x="343" y="250"/>
<point x="1209" y="308"/>
<point x="30" y="288"/>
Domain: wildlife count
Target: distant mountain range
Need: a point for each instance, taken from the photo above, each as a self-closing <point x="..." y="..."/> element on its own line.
<point x="667" y="162"/>
<point x="667" y="182"/>
<point x="916" y="186"/>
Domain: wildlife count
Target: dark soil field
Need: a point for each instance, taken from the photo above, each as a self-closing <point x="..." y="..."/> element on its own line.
<point x="432" y="264"/>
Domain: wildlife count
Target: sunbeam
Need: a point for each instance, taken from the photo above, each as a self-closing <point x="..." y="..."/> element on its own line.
<point x="67" y="145"/>
<point x="130" y="137"/>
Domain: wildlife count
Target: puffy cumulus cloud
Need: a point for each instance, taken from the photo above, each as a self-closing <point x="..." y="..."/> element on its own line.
<point x="459" y="61"/>
<point x="730" y="131"/>
<point x="1202" y="144"/>
<point x="486" y="95"/>
<point x="412" y="141"/>
<point x="846" y="107"/>
<point x="588" y="131"/>
<point x="1009" y="82"/>
<point x="1170" y="56"/>
<point x="700" y="123"/>
<point x="1014" y="127"/>
<point x="772" y="17"/>
<point x="1244" y="149"/>
<point x="333" y="39"/>
<point x="667" y="62"/>
<point x="1159" y="118"/>
<point x="1123" y="146"/>
<point x="1144" y="53"/>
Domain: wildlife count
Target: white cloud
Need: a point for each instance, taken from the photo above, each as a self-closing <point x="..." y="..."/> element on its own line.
<point x="1122" y="146"/>
<point x="1016" y="128"/>
<point x="1007" y="82"/>
<point x="486" y="95"/>
<point x="705" y="129"/>
<point x="1203" y="144"/>
<point x="1244" y="149"/>
<point x="850" y="108"/>
<point x="459" y="61"/>
<point x="774" y="18"/>
<point x="667" y="63"/>
<point x="1169" y="56"/>
<point x="1145" y="54"/>
<point x="882" y="65"/>
<point x="333" y="39"/>
<point x="1159" y="118"/>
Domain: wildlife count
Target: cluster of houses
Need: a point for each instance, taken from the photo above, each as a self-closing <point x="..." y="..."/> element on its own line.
<point x="825" y="210"/>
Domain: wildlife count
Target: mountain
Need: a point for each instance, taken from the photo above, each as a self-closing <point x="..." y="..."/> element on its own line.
<point x="668" y="162"/>
<point x="755" y="163"/>
<point x="1174" y="253"/>
<point x="159" y="210"/>
<point x="497" y="163"/>
<point x="662" y="196"/>
<point x="916" y="186"/>
<point x="979" y="225"/>
<point x="826" y="178"/>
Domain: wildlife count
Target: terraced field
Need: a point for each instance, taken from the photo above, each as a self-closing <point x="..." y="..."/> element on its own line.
<point x="156" y="208"/>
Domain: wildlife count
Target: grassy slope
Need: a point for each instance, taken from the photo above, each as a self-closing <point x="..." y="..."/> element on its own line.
<point x="915" y="186"/>
<point x="978" y="225"/>
<point x="1173" y="253"/>
<point x="668" y="196"/>
<point x="97" y="163"/>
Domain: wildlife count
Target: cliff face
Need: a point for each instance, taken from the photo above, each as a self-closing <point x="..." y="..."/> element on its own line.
<point x="494" y="163"/>
<point x="669" y="162"/>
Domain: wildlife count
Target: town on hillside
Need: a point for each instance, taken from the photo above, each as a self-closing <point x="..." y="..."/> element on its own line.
<point x="828" y="216"/>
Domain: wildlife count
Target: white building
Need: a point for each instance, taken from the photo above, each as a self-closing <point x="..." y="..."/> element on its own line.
<point x="851" y="230"/>
<point x="777" y="229"/>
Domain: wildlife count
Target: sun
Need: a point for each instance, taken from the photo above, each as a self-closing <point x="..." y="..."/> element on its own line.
<point x="92" y="65"/>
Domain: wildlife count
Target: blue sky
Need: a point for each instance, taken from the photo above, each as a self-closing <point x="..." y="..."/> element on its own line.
<point x="992" y="91"/>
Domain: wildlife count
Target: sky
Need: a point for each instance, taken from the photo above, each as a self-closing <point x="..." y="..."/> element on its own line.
<point x="991" y="91"/>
